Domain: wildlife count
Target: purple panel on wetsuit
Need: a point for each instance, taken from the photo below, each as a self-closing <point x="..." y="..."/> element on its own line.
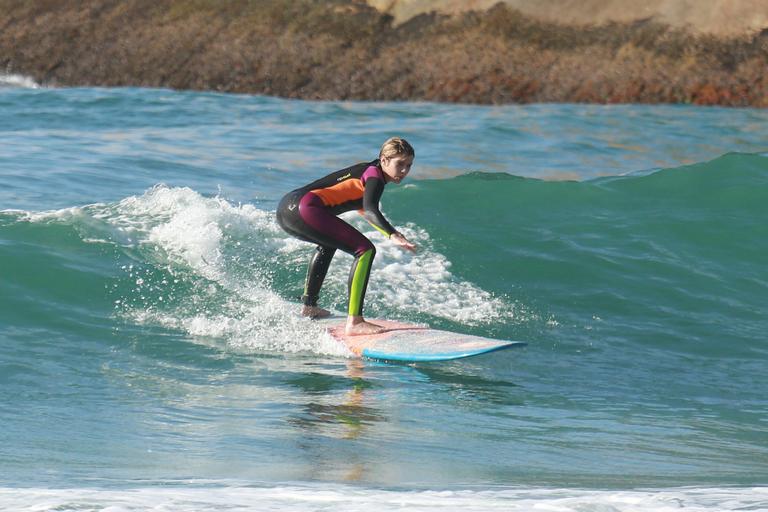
<point x="317" y="216"/>
<point x="372" y="172"/>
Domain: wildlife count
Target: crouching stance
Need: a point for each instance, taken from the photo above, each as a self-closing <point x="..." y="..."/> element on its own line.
<point x="310" y="214"/>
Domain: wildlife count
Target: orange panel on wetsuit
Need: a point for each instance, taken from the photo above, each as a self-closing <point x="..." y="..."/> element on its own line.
<point x="348" y="190"/>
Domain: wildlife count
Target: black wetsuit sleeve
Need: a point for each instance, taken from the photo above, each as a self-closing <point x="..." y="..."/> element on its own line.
<point x="374" y="188"/>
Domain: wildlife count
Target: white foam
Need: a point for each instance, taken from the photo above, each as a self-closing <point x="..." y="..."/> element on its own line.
<point x="14" y="80"/>
<point x="203" y="497"/>
<point x="208" y="237"/>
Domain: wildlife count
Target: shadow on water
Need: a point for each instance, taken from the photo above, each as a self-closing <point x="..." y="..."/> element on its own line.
<point x="470" y="387"/>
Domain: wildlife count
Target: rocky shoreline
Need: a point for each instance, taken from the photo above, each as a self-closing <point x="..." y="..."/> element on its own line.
<point x="344" y="49"/>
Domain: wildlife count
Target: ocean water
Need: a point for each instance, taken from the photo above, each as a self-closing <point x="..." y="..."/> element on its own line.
<point x="152" y="358"/>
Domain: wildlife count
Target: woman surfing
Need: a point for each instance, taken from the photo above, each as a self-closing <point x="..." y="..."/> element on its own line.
<point x="310" y="213"/>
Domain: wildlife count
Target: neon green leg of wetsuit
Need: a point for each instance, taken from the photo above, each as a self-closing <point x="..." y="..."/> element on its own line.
<point x="358" y="281"/>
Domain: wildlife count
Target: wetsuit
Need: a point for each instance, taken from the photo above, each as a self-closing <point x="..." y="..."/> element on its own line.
<point x="310" y="214"/>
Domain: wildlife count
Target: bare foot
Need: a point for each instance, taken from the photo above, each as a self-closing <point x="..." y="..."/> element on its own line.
<point x="356" y="326"/>
<point x="315" y="312"/>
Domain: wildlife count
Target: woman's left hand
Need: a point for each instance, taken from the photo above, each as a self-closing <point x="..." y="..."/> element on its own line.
<point x="403" y="242"/>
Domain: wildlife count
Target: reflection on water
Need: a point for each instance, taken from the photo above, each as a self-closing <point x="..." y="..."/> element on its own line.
<point x="336" y="409"/>
<point x="344" y="418"/>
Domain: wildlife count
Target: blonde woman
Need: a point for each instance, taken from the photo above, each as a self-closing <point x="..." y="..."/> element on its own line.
<point x="310" y="213"/>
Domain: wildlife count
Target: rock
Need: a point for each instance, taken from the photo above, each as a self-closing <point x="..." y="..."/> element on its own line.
<point x="716" y="17"/>
<point x="347" y="49"/>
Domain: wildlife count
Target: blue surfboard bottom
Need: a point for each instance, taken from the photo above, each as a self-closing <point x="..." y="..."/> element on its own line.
<point x="372" y="353"/>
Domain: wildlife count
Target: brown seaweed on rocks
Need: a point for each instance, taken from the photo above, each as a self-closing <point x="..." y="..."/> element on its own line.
<point x="345" y="49"/>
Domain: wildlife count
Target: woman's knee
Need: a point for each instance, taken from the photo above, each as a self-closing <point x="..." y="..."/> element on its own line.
<point x="364" y="246"/>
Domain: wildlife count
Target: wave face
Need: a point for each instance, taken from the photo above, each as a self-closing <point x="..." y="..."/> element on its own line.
<point x="672" y="259"/>
<point x="149" y="339"/>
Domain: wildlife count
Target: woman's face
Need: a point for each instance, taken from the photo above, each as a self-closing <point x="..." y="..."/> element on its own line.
<point x="397" y="167"/>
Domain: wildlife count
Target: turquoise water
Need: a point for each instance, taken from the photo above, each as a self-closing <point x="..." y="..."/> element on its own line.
<point x="151" y="356"/>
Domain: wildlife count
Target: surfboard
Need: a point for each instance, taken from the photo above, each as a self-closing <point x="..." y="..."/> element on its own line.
<point x="414" y="343"/>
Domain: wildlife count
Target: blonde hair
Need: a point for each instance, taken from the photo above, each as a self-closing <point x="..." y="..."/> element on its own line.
<point x="395" y="146"/>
